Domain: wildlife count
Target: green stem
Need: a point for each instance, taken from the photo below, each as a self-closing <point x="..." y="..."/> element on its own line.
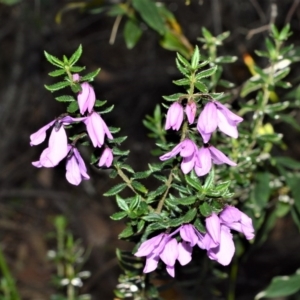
<point x="8" y="277"/>
<point x="125" y="179"/>
<point x="232" y="280"/>
<point x="168" y="184"/>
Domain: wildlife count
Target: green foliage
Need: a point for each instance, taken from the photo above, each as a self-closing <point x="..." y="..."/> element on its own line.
<point x="281" y="286"/>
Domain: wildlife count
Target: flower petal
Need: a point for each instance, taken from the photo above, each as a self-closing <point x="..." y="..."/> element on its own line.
<point x="213" y="227"/>
<point x="219" y="157"/>
<point x="188" y="234"/>
<point x="170" y="252"/>
<point x="39" y="136"/>
<point x="151" y="263"/>
<point x="207" y="121"/>
<point x="184" y="253"/>
<point x="148" y="246"/>
<point x="203" y="162"/>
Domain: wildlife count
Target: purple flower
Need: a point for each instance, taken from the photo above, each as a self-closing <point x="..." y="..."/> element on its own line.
<point x="86" y="98"/>
<point x="218" y="115"/>
<point x="75" y="167"/>
<point x="106" y="158"/>
<point x="174" y="116"/>
<point x="188" y="150"/>
<point x="218" y="240"/>
<point x="166" y="248"/>
<point x="97" y="129"/>
<point x="190" y="111"/>
<point x="58" y="142"/>
<point x="208" y="155"/>
<point x="56" y="151"/>
<point x="224" y="252"/>
<point x="39" y="136"/>
<point x="75" y="77"/>
<point x="234" y="219"/>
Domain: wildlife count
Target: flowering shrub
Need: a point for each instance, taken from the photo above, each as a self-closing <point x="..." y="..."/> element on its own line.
<point x="212" y="186"/>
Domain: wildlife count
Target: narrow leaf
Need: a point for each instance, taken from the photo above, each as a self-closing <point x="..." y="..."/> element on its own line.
<point x="75" y="56"/>
<point x="132" y="33"/>
<point x="150" y="14"/>
<point x="115" y="190"/>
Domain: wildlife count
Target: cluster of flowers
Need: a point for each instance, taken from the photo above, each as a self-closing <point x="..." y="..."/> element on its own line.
<point x="214" y="115"/>
<point x="58" y="146"/>
<point x="217" y="241"/>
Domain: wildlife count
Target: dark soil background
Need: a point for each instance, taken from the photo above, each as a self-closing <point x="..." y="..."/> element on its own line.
<point x="134" y="80"/>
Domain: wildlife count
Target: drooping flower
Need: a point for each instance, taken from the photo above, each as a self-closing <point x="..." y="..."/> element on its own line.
<point x="187" y="150"/>
<point x="234" y="219"/>
<point x="86" y="98"/>
<point x="56" y="151"/>
<point x="166" y="248"/>
<point x="174" y="116"/>
<point x="57" y="145"/>
<point x="97" y="129"/>
<point x="106" y="158"/>
<point x="75" y="167"/>
<point x="190" y="111"/>
<point x="218" y="115"/>
<point x="208" y="155"/>
<point x="218" y="239"/>
<point x="39" y="136"/>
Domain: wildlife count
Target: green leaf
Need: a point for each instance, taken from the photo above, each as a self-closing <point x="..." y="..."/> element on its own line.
<point x="99" y="103"/>
<point x="57" y="86"/>
<point x="132" y="33"/>
<point x="75" y="56"/>
<point x="127" y="168"/>
<point x="195" y="58"/>
<point x="201" y="87"/>
<point x="189" y="216"/>
<point x="206" y="73"/>
<point x="72" y="107"/>
<point x="119" y="152"/>
<point x="205" y="209"/>
<point x="226" y="59"/>
<point x="128" y="231"/>
<point x="287" y="162"/>
<point x="174" y="97"/>
<point x="57" y="73"/>
<point x="152" y="217"/>
<point x="186" y="200"/>
<point x="140" y="187"/>
<point x="209" y="180"/>
<point x="142" y="175"/>
<point x="281" y="286"/>
<point x="290" y="120"/>
<point x="140" y="226"/>
<point x="53" y="60"/>
<point x="181" y="81"/>
<point x="183" y="60"/>
<point x="272" y="108"/>
<point x="199" y="226"/>
<point x="262" y="189"/>
<point x="118" y="215"/>
<point x="159" y="191"/>
<point x="271" y="138"/>
<point x="226" y="84"/>
<point x="150" y="14"/>
<point x="90" y="76"/>
<point x="184" y="71"/>
<point x="107" y="110"/>
<point x="207" y="35"/>
<point x="115" y="189"/>
<point x="134" y="202"/>
<point x="194" y="183"/>
<point x="65" y="98"/>
<point x="292" y="181"/>
<point x="121" y="202"/>
<point x="77" y="69"/>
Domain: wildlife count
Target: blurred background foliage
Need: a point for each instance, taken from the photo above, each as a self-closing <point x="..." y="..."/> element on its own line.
<point x="134" y="80"/>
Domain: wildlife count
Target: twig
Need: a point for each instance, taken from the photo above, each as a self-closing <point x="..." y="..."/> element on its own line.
<point x="291" y="11"/>
<point x="114" y="30"/>
<point x="259" y="10"/>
